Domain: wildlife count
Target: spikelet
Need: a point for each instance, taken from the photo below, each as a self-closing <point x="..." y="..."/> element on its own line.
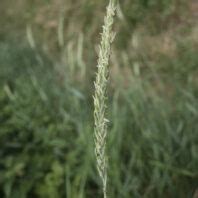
<point x="100" y="94"/>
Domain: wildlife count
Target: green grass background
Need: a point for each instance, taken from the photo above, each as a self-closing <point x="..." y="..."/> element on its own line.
<point x="48" y="53"/>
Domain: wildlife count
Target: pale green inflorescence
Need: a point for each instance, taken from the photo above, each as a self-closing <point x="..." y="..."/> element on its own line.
<point x="100" y="94"/>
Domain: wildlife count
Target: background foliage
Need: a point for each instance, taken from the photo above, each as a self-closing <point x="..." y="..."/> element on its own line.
<point x="47" y="67"/>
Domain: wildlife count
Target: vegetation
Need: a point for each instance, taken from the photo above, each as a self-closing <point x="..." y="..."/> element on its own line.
<point x="100" y="97"/>
<point x="47" y="69"/>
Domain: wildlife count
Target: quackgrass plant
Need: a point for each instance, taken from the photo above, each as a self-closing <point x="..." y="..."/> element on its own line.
<point x="100" y="94"/>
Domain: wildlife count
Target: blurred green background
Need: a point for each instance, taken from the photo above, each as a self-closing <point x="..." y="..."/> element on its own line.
<point x="48" y="56"/>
